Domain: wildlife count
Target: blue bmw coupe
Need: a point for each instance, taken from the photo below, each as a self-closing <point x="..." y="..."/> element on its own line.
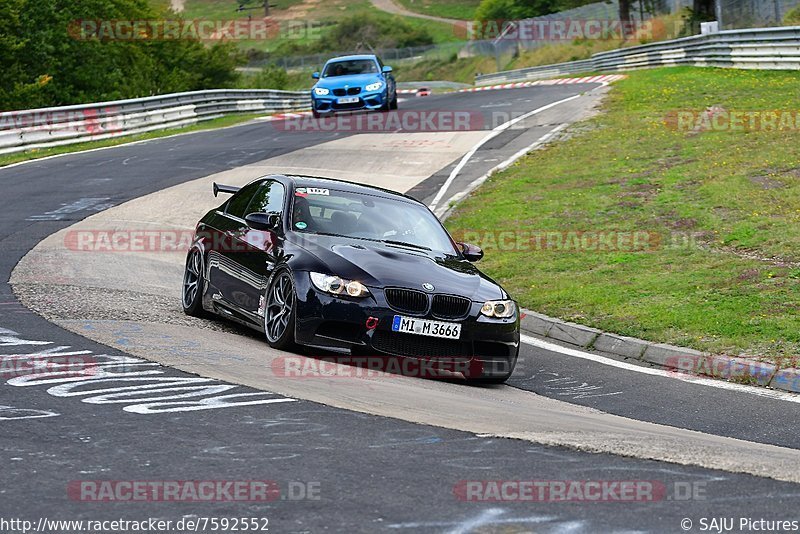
<point x="351" y="83"/>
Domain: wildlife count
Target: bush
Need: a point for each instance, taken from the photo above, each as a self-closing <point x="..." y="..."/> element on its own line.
<point x="270" y="77"/>
<point x="792" y="17"/>
<point x="523" y="9"/>
<point x="375" y="31"/>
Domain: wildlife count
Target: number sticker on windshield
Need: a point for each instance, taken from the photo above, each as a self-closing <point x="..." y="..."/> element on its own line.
<point x="304" y="191"/>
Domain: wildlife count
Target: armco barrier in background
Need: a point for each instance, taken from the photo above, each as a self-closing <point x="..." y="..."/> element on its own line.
<point x="758" y="48"/>
<point x="49" y="127"/>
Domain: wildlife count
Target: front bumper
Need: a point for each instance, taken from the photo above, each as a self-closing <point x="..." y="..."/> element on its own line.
<point x="487" y="347"/>
<point x="366" y="100"/>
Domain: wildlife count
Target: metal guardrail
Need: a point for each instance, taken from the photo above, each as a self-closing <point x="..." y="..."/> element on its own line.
<point x="49" y="127"/>
<point x="758" y="48"/>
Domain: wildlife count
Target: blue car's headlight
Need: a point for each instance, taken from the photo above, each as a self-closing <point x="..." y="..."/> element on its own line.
<point x="321" y="91"/>
<point x="374" y="86"/>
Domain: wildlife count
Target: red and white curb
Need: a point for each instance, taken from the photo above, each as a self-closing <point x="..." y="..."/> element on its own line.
<point x="284" y="116"/>
<point x="604" y="78"/>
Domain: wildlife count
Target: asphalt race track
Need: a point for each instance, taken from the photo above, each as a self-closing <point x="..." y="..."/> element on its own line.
<point x="356" y="460"/>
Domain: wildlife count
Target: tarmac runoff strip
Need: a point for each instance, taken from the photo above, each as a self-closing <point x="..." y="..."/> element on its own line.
<point x="130" y="301"/>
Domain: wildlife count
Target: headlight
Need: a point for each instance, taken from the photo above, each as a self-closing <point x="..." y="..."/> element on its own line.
<point x="321" y="91"/>
<point x="338" y="286"/>
<point x="374" y="86"/>
<point x="499" y="308"/>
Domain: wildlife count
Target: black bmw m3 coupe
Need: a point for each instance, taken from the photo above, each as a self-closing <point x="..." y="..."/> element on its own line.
<point x="343" y="266"/>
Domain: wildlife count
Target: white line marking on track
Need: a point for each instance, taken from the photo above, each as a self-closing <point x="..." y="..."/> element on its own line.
<point x="494" y="133"/>
<point x="710" y="382"/>
<point x="501" y="166"/>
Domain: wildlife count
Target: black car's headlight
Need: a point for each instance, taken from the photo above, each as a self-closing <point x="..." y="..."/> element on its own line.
<point x="338" y="286"/>
<point x="501" y="309"/>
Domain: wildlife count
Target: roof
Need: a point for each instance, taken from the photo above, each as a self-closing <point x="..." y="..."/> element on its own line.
<point x="355" y="56"/>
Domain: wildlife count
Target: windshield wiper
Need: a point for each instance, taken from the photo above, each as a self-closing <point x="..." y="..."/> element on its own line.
<point x="404" y="244"/>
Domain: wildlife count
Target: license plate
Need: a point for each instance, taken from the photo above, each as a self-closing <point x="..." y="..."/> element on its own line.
<point x="425" y="327"/>
<point x="348" y="100"/>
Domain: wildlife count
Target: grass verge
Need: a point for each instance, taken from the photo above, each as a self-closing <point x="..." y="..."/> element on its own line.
<point x="37" y="153"/>
<point x="320" y="17"/>
<point x="720" y="269"/>
<point x="449" y="9"/>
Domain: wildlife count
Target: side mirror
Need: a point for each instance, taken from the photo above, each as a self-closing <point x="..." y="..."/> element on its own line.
<point x="264" y="221"/>
<point x="386" y="69"/>
<point x="471" y="252"/>
<point x="315" y="75"/>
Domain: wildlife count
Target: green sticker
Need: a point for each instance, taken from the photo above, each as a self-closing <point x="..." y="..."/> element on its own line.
<point x="301" y="225"/>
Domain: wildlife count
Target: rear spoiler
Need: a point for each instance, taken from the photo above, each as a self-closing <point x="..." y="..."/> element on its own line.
<point x="229" y="189"/>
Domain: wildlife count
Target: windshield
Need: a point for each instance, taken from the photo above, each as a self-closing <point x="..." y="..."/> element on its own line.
<point x="345" y="68"/>
<point x="403" y="223"/>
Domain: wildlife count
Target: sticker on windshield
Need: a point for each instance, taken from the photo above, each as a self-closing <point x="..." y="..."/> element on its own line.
<point x="301" y="225"/>
<point x="305" y="191"/>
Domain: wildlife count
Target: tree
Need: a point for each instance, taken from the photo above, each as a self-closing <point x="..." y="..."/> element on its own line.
<point x="47" y="61"/>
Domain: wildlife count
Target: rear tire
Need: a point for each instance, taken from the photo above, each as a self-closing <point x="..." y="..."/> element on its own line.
<point x="193" y="284"/>
<point x="280" y="312"/>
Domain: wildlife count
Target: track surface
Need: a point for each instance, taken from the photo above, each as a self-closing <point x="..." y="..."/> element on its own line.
<point x="374" y="473"/>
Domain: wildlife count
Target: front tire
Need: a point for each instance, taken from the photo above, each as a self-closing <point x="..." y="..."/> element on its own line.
<point x="193" y="282"/>
<point x="316" y="114"/>
<point x="393" y="104"/>
<point x="280" y="312"/>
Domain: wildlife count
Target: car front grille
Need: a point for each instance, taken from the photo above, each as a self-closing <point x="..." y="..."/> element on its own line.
<point x="352" y="105"/>
<point x="349" y="91"/>
<point x="450" y="306"/>
<point x="407" y="300"/>
<point x="403" y="344"/>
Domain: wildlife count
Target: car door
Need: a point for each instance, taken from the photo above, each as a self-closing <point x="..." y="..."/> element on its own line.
<point x="260" y="250"/>
<point x="250" y="255"/>
<point x="224" y="269"/>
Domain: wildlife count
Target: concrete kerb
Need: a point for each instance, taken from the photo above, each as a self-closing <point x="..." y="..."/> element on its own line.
<point x="680" y="359"/>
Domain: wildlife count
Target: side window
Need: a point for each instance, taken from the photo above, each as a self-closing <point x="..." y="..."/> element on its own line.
<point x="238" y="203"/>
<point x="268" y="198"/>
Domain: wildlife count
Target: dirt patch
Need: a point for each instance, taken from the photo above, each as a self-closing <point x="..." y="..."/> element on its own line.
<point x="766" y="182"/>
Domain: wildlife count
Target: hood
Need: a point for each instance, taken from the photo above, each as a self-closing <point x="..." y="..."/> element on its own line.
<point x="352" y="80"/>
<point x="382" y="265"/>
